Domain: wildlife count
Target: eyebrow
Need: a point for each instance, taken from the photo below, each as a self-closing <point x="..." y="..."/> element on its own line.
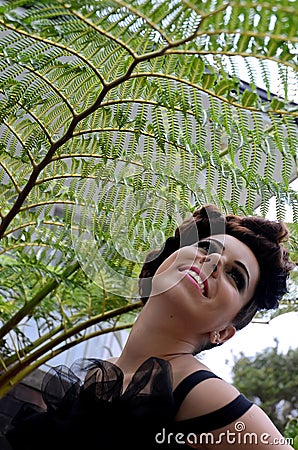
<point x="239" y="263"/>
<point x="219" y="243"/>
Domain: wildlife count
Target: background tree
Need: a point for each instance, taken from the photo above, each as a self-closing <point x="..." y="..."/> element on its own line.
<point x="270" y="379"/>
<point x="117" y="120"/>
<point x="291" y="432"/>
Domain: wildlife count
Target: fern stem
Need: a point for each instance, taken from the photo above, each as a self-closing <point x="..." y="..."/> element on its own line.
<point x="65" y="175"/>
<point x="103" y="32"/>
<point x="48" y="202"/>
<point x="231" y="54"/>
<point x="36" y="119"/>
<point x="213" y="94"/>
<point x="141" y="102"/>
<point x="54" y="44"/>
<point x="277" y="37"/>
<point x="52" y="86"/>
<point x="32" y="180"/>
<point x="28" y="307"/>
<point x="28" y="244"/>
<point x="142" y="16"/>
<point x="196" y="32"/>
<point x="6" y="362"/>
<point x="20" y="141"/>
<point x="9" y="174"/>
<point x="139" y="164"/>
<point x="76" y="119"/>
<point x="267" y="5"/>
<point x="13" y="371"/>
<point x="125" y="130"/>
<point x="8" y="383"/>
<point x="27" y="224"/>
<point x="94" y="155"/>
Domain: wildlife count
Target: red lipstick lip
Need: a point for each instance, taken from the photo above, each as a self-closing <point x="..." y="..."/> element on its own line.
<point x="201" y="275"/>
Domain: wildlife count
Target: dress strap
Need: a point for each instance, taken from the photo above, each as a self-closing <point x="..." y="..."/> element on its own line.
<point x="216" y="419"/>
<point x="189" y="382"/>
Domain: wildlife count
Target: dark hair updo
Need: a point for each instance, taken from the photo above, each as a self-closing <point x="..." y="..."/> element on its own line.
<point x="264" y="237"/>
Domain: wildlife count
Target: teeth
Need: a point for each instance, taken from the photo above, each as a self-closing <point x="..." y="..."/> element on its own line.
<point x="197" y="279"/>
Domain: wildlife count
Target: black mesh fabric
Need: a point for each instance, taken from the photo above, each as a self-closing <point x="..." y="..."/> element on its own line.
<point x="87" y="409"/>
<point x="96" y="414"/>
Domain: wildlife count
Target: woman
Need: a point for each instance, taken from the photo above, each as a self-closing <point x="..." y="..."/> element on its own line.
<point x="208" y="281"/>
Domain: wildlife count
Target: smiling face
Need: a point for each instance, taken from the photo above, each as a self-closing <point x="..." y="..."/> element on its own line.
<point x="208" y="282"/>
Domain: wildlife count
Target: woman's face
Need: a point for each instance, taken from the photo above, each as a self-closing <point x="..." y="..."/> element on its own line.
<point x="209" y="281"/>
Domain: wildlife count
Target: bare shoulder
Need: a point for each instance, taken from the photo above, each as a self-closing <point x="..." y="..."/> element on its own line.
<point x="205" y="397"/>
<point x="253" y="430"/>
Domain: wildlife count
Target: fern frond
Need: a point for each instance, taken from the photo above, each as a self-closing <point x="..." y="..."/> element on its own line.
<point x="118" y="119"/>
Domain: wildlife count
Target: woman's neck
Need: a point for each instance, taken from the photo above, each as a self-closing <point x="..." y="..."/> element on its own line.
<point x="152" y="336"/>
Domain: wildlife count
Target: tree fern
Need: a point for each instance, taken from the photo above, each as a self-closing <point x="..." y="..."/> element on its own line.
<point x="117" y="120"/>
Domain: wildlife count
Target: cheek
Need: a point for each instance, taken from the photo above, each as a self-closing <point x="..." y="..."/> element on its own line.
<point x="163" y="268"/>
<point x="170" y="263"/>
<point x="230" y="300"/>
<point x="165" y="278"/>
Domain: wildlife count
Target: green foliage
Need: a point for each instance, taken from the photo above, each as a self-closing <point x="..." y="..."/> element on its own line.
<point x="117" y="119"/>
<point x="270" y="378"/>
<point x="291" y="432"/>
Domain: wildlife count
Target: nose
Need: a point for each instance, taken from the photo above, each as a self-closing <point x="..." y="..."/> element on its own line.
<point x="211" y="265"/>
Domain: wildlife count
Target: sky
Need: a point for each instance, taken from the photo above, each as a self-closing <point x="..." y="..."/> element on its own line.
<point x="252" y="339"/>
<point x="272" y="210"/>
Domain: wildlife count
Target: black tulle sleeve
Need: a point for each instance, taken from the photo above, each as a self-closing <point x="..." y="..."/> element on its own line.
<point x="87" y="408"/>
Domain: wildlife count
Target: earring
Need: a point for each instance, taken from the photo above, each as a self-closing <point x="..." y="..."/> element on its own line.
<point x="216" y="337"/>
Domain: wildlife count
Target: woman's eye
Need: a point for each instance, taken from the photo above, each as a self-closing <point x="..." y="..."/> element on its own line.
<point x="204" y="245"/>
<point x="238" y="278"/>
<point x="209" y="246"/>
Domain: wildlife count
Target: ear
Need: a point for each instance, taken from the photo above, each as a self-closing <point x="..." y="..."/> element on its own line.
<point x="219" y="337"/>
<point x="226" y="333"/>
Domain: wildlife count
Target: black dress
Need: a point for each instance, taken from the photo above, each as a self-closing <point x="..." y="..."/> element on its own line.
<point x="97" y="414"/>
